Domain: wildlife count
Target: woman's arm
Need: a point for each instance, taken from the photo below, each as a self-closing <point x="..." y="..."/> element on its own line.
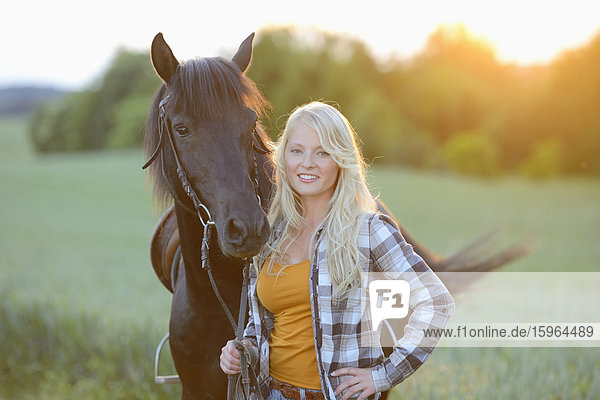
<point x="430" y="301"/>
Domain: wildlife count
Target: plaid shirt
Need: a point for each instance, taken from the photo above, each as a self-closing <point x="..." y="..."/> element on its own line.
<point x="338" y="326"/>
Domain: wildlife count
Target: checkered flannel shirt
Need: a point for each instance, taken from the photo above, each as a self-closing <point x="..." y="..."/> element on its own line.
<point x="338" y="327"/>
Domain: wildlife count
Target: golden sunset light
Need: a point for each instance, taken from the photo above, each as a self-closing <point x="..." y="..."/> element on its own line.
<point x="415" y="184"/>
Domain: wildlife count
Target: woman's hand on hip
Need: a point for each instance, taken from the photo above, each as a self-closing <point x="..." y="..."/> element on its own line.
<point x="360" y="380"/>
<point x="230" y="358"/>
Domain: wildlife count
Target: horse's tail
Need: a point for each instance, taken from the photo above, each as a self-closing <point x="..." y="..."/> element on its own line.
<point x="165" y="252"/>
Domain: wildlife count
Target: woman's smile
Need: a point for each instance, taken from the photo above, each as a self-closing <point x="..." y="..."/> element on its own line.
<point x="308" y="178"/>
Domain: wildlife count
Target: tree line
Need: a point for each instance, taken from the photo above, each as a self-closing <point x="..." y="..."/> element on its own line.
<point x="453" y="106"/>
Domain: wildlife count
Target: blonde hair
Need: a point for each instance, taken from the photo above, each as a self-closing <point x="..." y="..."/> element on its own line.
<point x="351" y="197"/>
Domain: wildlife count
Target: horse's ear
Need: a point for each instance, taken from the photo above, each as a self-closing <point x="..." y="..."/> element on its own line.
<point x="163" y="60"/>
<point x="244" y="53"/>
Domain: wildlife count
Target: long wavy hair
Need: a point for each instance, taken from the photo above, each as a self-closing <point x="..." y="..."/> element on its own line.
<point x="350" y="200"/>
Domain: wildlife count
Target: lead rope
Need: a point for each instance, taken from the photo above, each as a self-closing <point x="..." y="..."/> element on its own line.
<point x="239" y="387"/>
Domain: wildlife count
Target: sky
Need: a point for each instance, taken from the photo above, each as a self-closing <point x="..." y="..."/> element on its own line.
<point x="68" y="43"/>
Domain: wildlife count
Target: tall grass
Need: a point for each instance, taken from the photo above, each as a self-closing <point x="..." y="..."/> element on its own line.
<point x="48" y="353"/>
<point x="506" y="373"/>
<point x="81" y="309"/>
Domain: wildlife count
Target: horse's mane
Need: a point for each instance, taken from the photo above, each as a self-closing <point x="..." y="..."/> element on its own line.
<point x="206" y="88"/>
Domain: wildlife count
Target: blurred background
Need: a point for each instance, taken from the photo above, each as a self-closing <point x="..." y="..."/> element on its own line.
<point x="473" y="115"/>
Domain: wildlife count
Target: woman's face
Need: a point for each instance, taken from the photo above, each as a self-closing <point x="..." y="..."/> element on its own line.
<point x="311" y="171"/>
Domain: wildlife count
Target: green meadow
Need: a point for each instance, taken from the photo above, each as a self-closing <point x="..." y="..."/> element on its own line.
<point x="81" y="310"/>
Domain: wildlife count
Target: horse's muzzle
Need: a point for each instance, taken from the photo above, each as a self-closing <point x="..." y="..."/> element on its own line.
<point x="244" y="239"/>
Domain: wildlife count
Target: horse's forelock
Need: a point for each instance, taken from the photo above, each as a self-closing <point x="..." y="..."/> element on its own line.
<point x="208" y="87"/>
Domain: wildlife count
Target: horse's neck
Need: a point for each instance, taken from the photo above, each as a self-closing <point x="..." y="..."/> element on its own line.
<point x="191" y="233"/>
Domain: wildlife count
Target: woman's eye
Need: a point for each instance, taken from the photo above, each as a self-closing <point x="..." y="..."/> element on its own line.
<point x="295" y="151"/>
<point x="182" y="130"/>
<point x="323" y="154"/>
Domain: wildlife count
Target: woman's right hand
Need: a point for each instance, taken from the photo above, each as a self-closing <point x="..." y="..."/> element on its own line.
<point x="230" y="358"/>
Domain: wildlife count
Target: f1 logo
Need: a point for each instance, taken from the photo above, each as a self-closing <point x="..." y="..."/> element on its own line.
<point x="389" y="299"/>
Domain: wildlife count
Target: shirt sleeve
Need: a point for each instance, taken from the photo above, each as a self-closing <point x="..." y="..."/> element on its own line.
<point x="250" y="331"/>
<point x="430" y="302"/>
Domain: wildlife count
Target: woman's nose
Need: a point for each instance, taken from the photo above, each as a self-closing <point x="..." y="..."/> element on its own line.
<point x="308" y="160"/>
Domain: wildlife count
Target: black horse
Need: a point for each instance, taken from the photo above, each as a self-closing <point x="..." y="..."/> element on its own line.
<point x="205" y="120"/>
<point x="209" y="113"/>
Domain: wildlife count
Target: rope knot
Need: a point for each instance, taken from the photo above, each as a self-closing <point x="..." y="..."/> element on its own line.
<point x="248" y="353"/>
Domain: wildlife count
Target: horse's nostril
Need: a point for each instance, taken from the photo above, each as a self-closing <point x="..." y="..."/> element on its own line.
<point x="235" y="230"/>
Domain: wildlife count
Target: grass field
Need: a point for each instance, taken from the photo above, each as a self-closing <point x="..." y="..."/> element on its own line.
<point x="81" y="309"/>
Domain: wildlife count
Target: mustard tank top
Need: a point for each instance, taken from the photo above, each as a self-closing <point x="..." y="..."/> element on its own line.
<point x="285" y="293"/>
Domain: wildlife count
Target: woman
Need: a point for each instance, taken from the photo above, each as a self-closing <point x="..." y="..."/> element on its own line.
<point x="305" y="295"/>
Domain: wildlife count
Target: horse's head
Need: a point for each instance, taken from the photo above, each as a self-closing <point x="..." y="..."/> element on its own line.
<point x="205" y="115"/>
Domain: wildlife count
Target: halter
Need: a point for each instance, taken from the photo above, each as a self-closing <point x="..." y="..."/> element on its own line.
<point x="247" y="355"/>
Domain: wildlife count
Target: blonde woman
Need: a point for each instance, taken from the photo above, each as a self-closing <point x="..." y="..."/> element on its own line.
<point x="305" y="293"/>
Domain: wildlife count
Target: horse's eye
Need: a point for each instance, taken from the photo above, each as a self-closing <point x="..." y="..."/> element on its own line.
<point x="182" y="130"/>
